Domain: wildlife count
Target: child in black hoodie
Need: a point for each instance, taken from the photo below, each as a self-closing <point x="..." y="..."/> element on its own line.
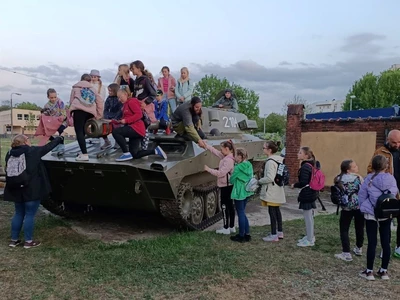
<point x="112" y="109"/>
<point x="144" y="91"/>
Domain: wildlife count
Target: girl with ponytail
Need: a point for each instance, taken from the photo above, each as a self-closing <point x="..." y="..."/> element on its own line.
<point x="224" y="171"/>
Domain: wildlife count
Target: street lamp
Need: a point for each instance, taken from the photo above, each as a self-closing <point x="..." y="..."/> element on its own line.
<point x="11" y="104"/>
<point x="351" y="101"/>
<point x="265" y="115"/>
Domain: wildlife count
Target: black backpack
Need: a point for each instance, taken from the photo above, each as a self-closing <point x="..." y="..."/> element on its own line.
<point x="282" y="174"/>
<point x="16" y="174"/>
<point x="387" y="206"/>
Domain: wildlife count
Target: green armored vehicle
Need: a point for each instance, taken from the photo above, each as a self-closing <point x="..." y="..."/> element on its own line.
<point x="178" y="188"/>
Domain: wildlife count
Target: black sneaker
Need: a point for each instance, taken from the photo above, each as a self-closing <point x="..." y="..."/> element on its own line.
<point x="32" y="244"/>
<point x="383" y="275"/>
<point x="14" y="244"/>
<point x="238" y="238"/>
<point x="247" y="237"/>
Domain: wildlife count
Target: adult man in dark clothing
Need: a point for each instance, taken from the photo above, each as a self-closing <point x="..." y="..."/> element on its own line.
<point x="186" y="121"/>
<point x="391" y="150"/>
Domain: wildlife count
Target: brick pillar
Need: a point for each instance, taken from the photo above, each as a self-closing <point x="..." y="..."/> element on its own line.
<point x="295" y="114"/>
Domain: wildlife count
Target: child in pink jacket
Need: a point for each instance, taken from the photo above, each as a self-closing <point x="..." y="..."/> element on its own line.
<point x="85" y="104"/>
<point x="227" y="156"/>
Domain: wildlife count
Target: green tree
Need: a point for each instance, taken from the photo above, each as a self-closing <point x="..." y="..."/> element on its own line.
<point x="374" y="91"/>
<point x="210" y="85"/>
<point x="275" y="123"/>
<point x="27" y="105"/>
<point x="5" y="105"/>
<point x="297" y="100"/>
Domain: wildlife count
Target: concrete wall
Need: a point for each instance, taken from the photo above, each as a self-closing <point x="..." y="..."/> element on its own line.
<point x="334" y="140"/>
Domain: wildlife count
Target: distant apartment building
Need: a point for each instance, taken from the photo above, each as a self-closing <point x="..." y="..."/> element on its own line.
<point x="327" y="106"/>
<point x="25" y="121"/>
<point x="395" y="67"/>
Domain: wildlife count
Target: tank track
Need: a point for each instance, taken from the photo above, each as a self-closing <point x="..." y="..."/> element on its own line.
<point x="172" y="210"/>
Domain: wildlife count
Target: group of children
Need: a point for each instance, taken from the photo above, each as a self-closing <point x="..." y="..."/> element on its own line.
<point x="158" y="101"/>
<point x="234" y="173"/>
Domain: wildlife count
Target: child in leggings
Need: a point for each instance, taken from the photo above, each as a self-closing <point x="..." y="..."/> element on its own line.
<point x="272" y="195"/>
<point x="307" y="196"/>
<point x="242" y="173"/>
<point x="375" y="184"/>
<point x="226" y="163"/>
<point x="349" y="182"/>
<point x="85" y="103"/>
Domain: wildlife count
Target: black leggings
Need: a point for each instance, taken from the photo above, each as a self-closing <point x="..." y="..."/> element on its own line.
<point x="228" y="211"/>
<point x="384" y="234"/>
<point x="345" y="220"/>
<point x="80" y="117"/>
<point x="59" y="130"/>
<point x="127" y="131"/>
<point x="276" y="218"/>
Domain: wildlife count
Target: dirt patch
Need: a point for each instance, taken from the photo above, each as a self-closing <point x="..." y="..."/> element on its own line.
<point x="120" y="226"/>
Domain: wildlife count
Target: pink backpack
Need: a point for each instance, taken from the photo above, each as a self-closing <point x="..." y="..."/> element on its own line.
<point x="317" y="182"/>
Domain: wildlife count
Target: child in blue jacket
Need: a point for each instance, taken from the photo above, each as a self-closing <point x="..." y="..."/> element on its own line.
<point x="112" y="109"/>
<point x="161" y="112"/>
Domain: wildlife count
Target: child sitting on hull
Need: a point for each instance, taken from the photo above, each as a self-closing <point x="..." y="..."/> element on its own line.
<point x="133" y="128"/>
<point x="112" y="109"/>
<point x="186" y="121"/>
<point x="161" y="112"/>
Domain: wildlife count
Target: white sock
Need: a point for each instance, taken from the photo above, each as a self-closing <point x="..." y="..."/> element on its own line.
<point x="382" y="270"/>
<point x="126" y="153"/>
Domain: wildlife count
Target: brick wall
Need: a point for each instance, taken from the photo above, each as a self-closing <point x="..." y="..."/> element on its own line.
<point x="296" y="125"/>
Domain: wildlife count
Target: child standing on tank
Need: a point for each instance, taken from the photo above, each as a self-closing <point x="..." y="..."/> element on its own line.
<point x="112" y="109"/>
<point x="242" y="173"/>
<point x="226" y="164"/>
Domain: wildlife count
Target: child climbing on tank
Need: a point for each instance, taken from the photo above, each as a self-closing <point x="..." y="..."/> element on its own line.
<point x="112" y="109"/>
<point x="226" y="164"/>
<point x="161" y="112"/>
<point x="55" y="108"/>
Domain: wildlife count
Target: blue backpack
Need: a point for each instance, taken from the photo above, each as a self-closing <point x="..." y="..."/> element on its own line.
<point x="88" y="96"/>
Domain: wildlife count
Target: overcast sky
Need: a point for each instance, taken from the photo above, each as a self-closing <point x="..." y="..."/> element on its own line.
<point x="314" y="48"/>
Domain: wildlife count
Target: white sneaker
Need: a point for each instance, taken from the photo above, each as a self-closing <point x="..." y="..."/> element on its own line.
<point x="82" y="157"/>
<point x="305" y="243"/>
<point x="344" y="256"/>
<point x="357" y="251"/>
<point x="271" y="238"/>
<point x="232" y="230"/>
<point x="304" y="238"/>
<point x="223" y="231"/>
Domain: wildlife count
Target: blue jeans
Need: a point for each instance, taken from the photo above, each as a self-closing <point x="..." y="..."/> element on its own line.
<point x="172" y="105"/>
<point x="242" y="219"/>
<point x="24" y="214"/>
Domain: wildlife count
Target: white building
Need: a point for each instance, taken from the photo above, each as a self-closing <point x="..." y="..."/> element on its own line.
<point x="327" y="106"/>
<point x="395" y="67"/>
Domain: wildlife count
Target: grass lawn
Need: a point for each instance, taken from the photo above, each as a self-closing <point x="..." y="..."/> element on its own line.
<point x="187" y="265"/>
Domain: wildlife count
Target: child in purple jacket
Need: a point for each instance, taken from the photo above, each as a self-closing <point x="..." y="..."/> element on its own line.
<point x="373" y="187"/>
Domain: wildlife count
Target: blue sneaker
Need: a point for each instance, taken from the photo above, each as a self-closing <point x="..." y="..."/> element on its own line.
<point x="124" y="157"/>
<point x="160" y="152"/>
